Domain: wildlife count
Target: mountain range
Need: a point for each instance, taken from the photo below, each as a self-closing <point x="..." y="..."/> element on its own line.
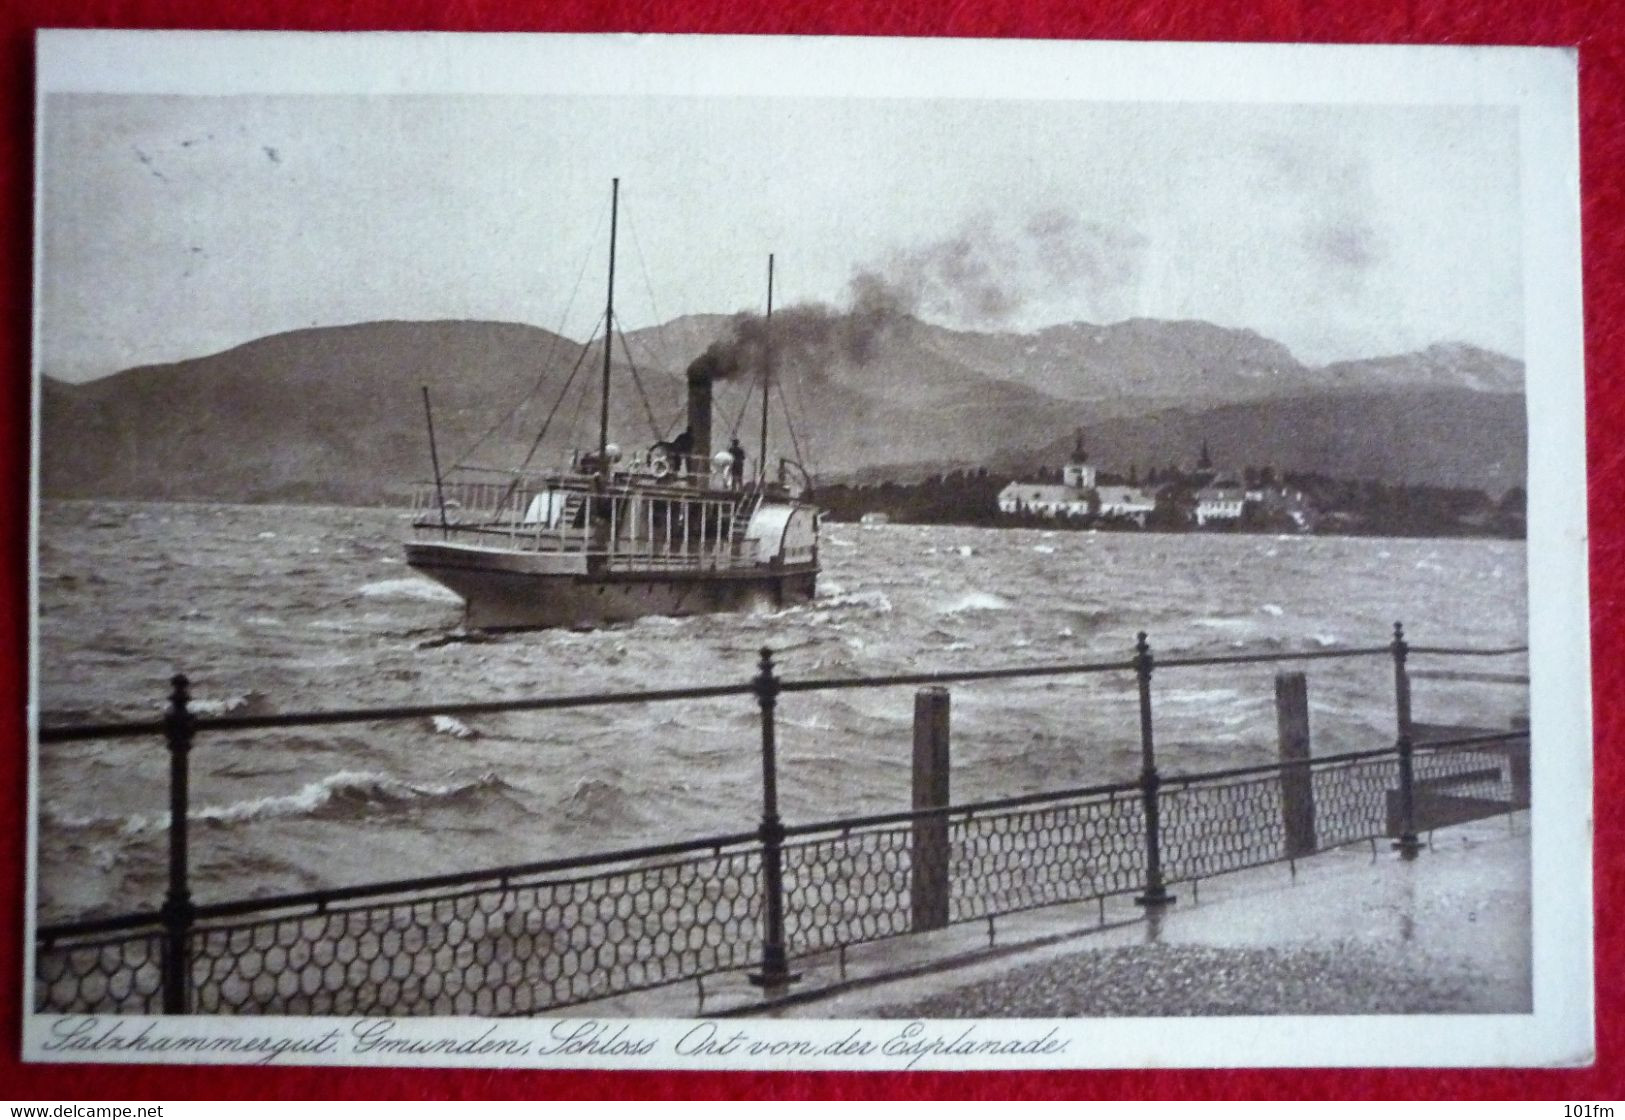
<point x="335" y="413"/>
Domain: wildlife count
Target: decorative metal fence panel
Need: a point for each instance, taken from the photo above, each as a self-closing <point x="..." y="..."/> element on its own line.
<point x="1468" y="771"/>
<point x="860" y="885"/>
<point x="503" y="951"/>
<point x="1212" y="829"/>
<point x="1351" y="799"/>
<point x="496" y="950"/>
<point x="845" y="889"/>
<point x="1007" y="862"/>
<point x="119" y="973"/>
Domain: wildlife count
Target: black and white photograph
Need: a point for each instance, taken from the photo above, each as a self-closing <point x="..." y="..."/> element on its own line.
<point x="768" y="553"/>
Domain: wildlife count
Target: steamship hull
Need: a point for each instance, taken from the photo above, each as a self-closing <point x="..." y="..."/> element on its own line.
<point x="522" y="591"/>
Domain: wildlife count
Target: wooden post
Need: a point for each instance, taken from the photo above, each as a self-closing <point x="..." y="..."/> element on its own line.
<point x="1297" y="783"/>
<point x="929" y="886"/>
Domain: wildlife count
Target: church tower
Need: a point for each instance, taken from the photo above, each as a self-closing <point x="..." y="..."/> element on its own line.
<point x="1079" y="473"/>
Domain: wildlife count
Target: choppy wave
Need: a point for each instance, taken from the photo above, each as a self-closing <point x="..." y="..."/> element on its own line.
<point x="975" y="601"/>
<point x="251" y="703"/>
<point x="873" y="600"/>
<point x="349" y="793"/>
<point x="601" y="804"/>
<point x="451" y="725"/>
<point x="418" y="590"/>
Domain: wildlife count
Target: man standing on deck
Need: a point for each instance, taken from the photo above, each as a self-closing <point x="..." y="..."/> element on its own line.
<point x="736" y="469"/>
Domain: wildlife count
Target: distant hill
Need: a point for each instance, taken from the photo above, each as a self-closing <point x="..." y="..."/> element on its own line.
<point x="1140" y="358"/>
<point x="334" y="414"/>
<point x="326" y="414"/>
<point x="1192" y="362"/>
<point x="1445" y="365"/>
<point x="1450" y="437"/>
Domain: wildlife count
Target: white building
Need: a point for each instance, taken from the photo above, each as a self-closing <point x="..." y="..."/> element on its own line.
<point x="1044" y="498"/>
<point x="1132" y="502"/>
<point x="1070" y="499"/>
<point x="1221" y="501"/>
<point x="1079" y="494"/>
<point x="1079" y="473"/>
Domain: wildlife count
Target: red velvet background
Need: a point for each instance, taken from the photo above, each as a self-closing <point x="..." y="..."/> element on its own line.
<point x="1597" y="28"/>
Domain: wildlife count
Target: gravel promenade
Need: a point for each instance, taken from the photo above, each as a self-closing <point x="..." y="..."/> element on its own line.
<point x="1164" y="980"/>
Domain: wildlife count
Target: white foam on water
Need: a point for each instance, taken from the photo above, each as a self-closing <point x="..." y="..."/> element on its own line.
<point x="1044" y="548"/>
<point x="659" y="622"/>
<point x="419" y="590"/>
<point x="975" y="601"/>
<point x="243" y="704"/>
<point x="361" y="789"/>
<point x="876" y="601"/>
<point x="1272" y="610"/>
<point x="456" y="728"/>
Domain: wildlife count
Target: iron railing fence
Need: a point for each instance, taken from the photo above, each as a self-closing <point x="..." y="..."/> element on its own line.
<point x="527" y="938"/>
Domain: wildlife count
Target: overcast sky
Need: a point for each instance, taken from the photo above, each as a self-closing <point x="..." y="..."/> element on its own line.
<point x="176" y="226"/>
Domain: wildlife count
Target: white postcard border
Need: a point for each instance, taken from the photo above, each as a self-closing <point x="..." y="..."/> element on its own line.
<point x="1541" y="82"/>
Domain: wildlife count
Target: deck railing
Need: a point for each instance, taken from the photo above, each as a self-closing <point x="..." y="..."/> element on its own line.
<point x="525" y="938"/>
<point x="667" y="528"/>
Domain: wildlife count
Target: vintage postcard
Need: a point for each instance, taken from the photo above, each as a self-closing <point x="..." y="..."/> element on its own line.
<point x="804" y="553"/>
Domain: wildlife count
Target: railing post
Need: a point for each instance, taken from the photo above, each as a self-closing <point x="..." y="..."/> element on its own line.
<point x="1407" y="845"/>
<point x="177" y="908"/>
<point x="774" y="975"/>
<point x="1156" y="894"/>
<point x="1297" y="782"/>
<point x="1518" y="763"/>
<point x="928" y="883"/>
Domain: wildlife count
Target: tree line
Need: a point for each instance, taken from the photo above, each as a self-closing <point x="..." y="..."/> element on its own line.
<point x="1349" y="507"/>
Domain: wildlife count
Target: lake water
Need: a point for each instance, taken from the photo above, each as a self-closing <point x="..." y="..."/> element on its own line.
<point x="292" y="608"/>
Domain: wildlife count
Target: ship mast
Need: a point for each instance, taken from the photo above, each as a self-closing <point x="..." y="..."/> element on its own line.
<point x="767" y="376"/>
<point x="609" y="334"/>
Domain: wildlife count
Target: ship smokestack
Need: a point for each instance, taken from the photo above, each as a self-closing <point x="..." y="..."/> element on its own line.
<point x="699" y="407"/>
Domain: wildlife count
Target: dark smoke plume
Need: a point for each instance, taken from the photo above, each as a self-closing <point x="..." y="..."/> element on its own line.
<point x="984" y="274"/>
<point x="808" y="337"/>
